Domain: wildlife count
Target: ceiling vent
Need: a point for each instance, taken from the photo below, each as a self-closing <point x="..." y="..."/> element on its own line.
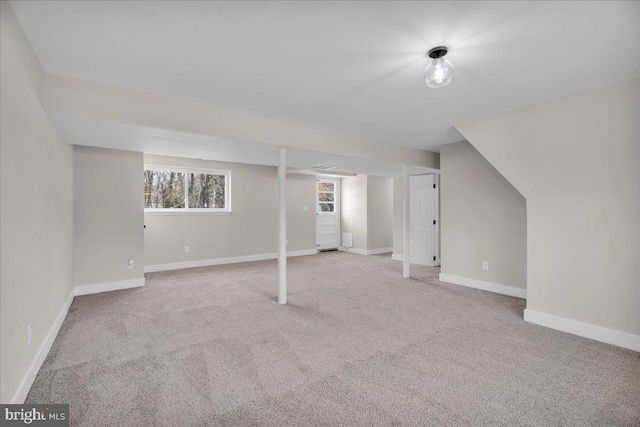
<point x="322" y="167"/>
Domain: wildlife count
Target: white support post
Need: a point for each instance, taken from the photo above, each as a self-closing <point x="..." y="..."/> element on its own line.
<point x="405" y="222"/>
<point x="282" y="225"/>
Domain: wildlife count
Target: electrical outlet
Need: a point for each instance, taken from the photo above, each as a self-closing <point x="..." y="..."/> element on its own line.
<point x="287" y="243"/>
<point x="29" y="333"/>
<point x="186" y="249"/>
<point x="130" y="264"/>
<point x="305" y="208"/>
<point x="485" y="265"/>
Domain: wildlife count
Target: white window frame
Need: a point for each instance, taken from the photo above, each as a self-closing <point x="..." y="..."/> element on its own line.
<point x="335" y="203"/>
<point x="187" y="210"/>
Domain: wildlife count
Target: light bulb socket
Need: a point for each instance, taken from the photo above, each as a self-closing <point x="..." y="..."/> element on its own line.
<point x="438" y="52"/>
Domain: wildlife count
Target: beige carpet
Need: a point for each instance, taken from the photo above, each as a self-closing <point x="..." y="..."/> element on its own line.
<point x="356" y="345"/>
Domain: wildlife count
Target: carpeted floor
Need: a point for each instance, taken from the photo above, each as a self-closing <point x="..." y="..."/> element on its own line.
<point x="356" y="345"/>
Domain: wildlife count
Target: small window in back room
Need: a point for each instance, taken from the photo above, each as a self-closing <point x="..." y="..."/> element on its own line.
<point x="179" y="190"/>
<point x="326" y="197"/>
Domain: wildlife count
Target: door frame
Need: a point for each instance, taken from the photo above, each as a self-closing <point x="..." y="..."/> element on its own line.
<point x="337" y="208"/>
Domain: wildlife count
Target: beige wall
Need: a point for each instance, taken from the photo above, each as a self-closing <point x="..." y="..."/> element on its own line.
<point x="367" y="211"/>
<point x="483" y="218"/>
<point x="301" y="225"/>
<point x="353" y="210"/>
<point x="36" y="214"/>
<point x="249" y="230"/>
<point x="577" y="162"/>
<point x="108" y="215"/>
<point x="397" y="215"/>
<point x="379" y="212"/>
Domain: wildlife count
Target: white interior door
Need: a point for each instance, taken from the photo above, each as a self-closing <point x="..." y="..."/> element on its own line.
<point x="423" y="220"/>
<point x="327" y="214"/>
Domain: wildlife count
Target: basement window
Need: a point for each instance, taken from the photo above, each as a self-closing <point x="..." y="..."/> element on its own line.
<point x="326" y="197"/>
<point x="174" y="190"/>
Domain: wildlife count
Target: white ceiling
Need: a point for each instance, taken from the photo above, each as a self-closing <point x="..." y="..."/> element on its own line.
<point x="120" y="136"/>
<point x="354" y="67"/>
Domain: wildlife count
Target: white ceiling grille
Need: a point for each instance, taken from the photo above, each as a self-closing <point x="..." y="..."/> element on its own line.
<point x="322" y="167"/>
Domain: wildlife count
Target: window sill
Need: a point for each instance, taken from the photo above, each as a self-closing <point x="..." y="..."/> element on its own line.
<point x="182" y="212"/>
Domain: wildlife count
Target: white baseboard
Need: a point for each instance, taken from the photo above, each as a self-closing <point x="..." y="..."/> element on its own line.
<point x="365" y="251"/>
<point x="353" y="250"/>
<point x="110" y="286"/>
<point x="23" y="390"/>
<point x="220" y="261"/>
<point x="25" y="386"/>
<point x="485" y="286"/>
<point x="379" y="251"/>
<point x="436" y="263"/>
<point x="586" y="330"/>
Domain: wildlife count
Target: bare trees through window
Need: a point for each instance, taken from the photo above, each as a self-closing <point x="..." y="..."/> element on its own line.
<point x="326" y="196"/>
<point x="206" y="191"/>
<point x="165" y="189"/>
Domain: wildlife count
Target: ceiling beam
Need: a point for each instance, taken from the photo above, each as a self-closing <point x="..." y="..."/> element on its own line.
<point x="71" y="96"/>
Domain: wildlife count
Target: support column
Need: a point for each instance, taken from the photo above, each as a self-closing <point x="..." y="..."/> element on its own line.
<point x="405" y="222"/>
<point x="282" y="225"/>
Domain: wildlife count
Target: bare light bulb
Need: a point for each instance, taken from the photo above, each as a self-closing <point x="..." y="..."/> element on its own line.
<point x="438" y="73"/>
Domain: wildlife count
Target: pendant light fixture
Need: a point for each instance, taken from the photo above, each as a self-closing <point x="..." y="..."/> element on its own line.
<point x="439" y="72"/>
